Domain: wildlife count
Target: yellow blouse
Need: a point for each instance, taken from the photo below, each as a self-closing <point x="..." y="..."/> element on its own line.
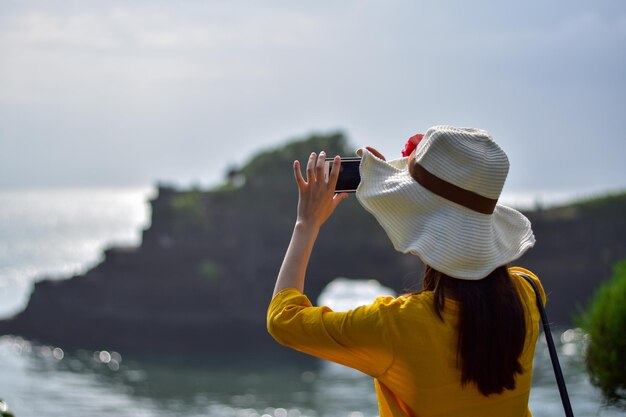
<point x="408" y="350"/>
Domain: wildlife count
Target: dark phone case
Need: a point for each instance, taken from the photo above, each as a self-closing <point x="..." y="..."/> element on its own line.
<point x="349" y="175"/>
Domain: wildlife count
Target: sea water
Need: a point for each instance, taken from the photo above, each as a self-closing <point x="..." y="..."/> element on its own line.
<point x="58" y="233"/>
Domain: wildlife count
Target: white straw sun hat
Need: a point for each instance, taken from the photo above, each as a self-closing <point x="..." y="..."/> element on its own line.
<point x="448" y="214"/>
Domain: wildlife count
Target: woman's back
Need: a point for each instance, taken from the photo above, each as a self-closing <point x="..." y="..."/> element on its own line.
<point x="425" y="373"/>
<point x="408" y="349"/>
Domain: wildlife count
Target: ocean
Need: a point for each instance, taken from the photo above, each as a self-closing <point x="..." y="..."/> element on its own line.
<point x="56" y="233"/>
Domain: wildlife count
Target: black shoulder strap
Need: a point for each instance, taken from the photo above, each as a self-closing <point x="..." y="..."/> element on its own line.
<point x="553" y="356"/>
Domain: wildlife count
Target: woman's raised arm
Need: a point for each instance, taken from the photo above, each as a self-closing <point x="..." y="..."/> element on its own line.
<point x="316" y="202"/>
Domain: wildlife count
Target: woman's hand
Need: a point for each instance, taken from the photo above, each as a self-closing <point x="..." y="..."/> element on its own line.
<point x="375" y="152"/>
<point x="317" y="202"/>
<point x="317" y="197"/>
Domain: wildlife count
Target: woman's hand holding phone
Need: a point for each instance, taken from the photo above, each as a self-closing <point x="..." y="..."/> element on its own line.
<point x="317" y="201"/>
<point x="317" y="197"/>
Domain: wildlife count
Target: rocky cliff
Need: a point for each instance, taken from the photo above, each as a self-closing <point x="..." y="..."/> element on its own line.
<point x="203" y="276"/>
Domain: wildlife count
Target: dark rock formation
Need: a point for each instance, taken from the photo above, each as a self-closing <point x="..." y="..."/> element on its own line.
<point x="577" y="246"/>
<point x="201" y="281"/>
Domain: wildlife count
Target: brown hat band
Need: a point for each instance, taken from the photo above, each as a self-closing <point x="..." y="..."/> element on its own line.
<point x="451" y="192"/>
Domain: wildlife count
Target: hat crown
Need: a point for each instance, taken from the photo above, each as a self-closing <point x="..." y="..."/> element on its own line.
<point x="466" y="157"/>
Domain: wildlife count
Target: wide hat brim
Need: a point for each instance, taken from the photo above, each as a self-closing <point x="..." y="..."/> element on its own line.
<point x="450" y="238"/>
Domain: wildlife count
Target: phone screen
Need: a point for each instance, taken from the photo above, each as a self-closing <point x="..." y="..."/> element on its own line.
<point x="349" y="175"/>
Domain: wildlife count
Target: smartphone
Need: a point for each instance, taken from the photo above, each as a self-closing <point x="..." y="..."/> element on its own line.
<point x="349" y="175"/>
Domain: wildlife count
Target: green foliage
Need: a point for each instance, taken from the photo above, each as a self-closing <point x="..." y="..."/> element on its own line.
<point x="273" y="169"/>
<point x="190" y="214"/>
<point x="607" y="202"/>
<point x="608" y="205"/>
<point x="210" y="270"/>
<point x="605" y="322"/>
<point x="4" y="410"/>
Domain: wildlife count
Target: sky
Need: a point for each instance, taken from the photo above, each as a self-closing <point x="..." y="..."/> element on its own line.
<point x="131" y="93"/>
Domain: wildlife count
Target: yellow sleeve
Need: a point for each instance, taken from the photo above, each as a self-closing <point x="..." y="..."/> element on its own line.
<point x="518" y="270"/>
<point x="355" y="338"/>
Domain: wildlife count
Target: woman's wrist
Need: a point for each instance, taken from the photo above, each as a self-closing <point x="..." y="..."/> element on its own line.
<point x="307" y="227"/>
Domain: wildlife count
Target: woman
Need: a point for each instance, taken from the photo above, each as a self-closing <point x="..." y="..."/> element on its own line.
<point x="464" y="345"/>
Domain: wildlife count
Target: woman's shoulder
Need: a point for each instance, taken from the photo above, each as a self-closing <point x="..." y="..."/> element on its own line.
<point x="520" y="270"/>
<point x="413" y="304"/>
<point x="518" y="273"/>
<point x="404" y="299"/>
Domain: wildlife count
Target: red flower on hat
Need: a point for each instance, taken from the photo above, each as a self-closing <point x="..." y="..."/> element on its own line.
<point x="411" y="144"/>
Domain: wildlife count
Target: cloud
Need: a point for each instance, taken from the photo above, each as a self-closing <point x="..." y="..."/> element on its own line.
<point x="104" y="82"/>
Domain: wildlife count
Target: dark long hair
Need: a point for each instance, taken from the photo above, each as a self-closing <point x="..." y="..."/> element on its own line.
<point x="491" y="327"/>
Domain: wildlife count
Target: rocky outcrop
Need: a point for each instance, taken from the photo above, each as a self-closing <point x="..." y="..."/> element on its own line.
<point x="203" y="276"/>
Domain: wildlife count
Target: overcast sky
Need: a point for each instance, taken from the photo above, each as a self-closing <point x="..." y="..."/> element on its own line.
<point x="110" y="93"/>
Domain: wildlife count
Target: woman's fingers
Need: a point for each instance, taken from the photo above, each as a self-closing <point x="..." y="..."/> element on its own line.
<point x="375" y="152"/>
<point x="310" y="171"/>
<point x="319" y="169"/>
<point x="339" y="197"/>
<point x="334" y="172"/>
<point x="310" y="168"/>
<point x="298" y="174"/>
<point x="317" y="199"/>
<point x="315" y="172"/>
